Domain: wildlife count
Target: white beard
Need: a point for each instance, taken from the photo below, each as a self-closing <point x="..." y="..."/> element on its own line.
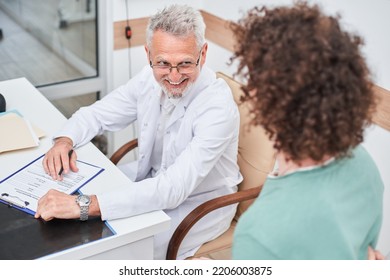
<point x="178" y="93"/>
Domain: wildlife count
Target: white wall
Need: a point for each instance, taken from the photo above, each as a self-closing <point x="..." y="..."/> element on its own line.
<point x="377" y="144"/>
<point x="355" y="17"/>
<point x="368" y="18"/>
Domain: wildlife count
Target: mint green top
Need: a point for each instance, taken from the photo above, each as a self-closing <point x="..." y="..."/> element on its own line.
<point x="330" y="212"/>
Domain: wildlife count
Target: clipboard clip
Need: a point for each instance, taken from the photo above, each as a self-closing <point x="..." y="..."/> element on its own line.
<point x="6" y="196"/>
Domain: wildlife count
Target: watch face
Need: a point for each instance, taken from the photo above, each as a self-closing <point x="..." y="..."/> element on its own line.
<point x="84" y="200"/>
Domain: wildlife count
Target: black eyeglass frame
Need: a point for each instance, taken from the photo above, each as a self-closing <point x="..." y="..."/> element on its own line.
<point x="178" y="66"/>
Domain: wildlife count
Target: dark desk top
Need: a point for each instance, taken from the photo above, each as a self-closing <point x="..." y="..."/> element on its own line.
<point x="22" y="237"/>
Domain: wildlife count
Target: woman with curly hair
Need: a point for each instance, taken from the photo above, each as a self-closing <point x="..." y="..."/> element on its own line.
<point x="311" y="90"/>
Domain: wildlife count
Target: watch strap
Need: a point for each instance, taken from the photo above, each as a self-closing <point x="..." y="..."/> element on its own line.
<point x="83" y="201"/>
<point x="84" y="213"/>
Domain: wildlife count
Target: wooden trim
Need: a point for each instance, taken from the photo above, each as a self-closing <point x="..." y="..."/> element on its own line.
<point x="217" y="31"/>
<point x="382" y="115"/>
<point x="138" y="28"/>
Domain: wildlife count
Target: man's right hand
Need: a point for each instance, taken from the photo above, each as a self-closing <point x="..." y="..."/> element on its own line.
<point x="57" y="158"/>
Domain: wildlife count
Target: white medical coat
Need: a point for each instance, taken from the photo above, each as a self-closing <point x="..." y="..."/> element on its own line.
<point x="199" y="160"/>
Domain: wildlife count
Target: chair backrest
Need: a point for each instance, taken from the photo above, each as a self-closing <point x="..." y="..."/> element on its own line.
<point x="382" y="114"/>
<point x="256" y="156"/>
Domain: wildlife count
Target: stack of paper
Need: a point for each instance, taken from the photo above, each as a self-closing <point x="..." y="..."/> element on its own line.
<point x="17" y="133"/>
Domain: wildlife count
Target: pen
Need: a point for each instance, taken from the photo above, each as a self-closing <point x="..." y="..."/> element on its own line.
<point x="62" y="167"/>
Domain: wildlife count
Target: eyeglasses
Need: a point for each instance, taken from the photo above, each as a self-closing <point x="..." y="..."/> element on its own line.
<point x="185" y="67"/>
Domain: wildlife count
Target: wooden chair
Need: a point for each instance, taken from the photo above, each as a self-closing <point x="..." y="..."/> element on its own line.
<point x="382" y="114"/>
<point x="256" y="158"/>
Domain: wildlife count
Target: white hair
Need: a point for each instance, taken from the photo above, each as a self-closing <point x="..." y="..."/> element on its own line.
<point x="178" y="20"/>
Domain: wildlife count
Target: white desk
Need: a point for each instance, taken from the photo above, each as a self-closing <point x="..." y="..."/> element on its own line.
<point x="134" y="235"/>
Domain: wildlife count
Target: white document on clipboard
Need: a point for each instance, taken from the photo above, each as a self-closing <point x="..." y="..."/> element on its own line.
<point x="26" y="186"/>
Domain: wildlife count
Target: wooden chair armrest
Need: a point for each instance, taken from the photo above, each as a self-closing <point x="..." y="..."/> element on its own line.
<point x="195" y="215"/>
<point x="122" y="151"/>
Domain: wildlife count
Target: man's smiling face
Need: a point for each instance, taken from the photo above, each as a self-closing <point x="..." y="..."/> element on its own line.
<point x="168" y="50"/>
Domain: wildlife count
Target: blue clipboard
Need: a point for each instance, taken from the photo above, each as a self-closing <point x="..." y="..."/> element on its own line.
<point x="23" y="205"/>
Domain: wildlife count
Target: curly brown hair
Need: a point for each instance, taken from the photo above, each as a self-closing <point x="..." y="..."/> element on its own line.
<point x="307" y="81"/>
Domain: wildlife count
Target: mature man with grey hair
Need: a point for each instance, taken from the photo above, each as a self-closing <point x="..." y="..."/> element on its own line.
<point x="188" y="136"/>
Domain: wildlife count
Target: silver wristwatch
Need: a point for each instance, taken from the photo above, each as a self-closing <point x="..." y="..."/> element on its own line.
<point x="83" y="201"/>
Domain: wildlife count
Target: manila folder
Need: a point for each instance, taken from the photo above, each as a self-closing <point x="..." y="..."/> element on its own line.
<point x="16" y="133"/>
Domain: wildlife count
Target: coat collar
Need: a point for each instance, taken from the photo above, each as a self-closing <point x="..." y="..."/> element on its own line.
<point x="205" y="78"/>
